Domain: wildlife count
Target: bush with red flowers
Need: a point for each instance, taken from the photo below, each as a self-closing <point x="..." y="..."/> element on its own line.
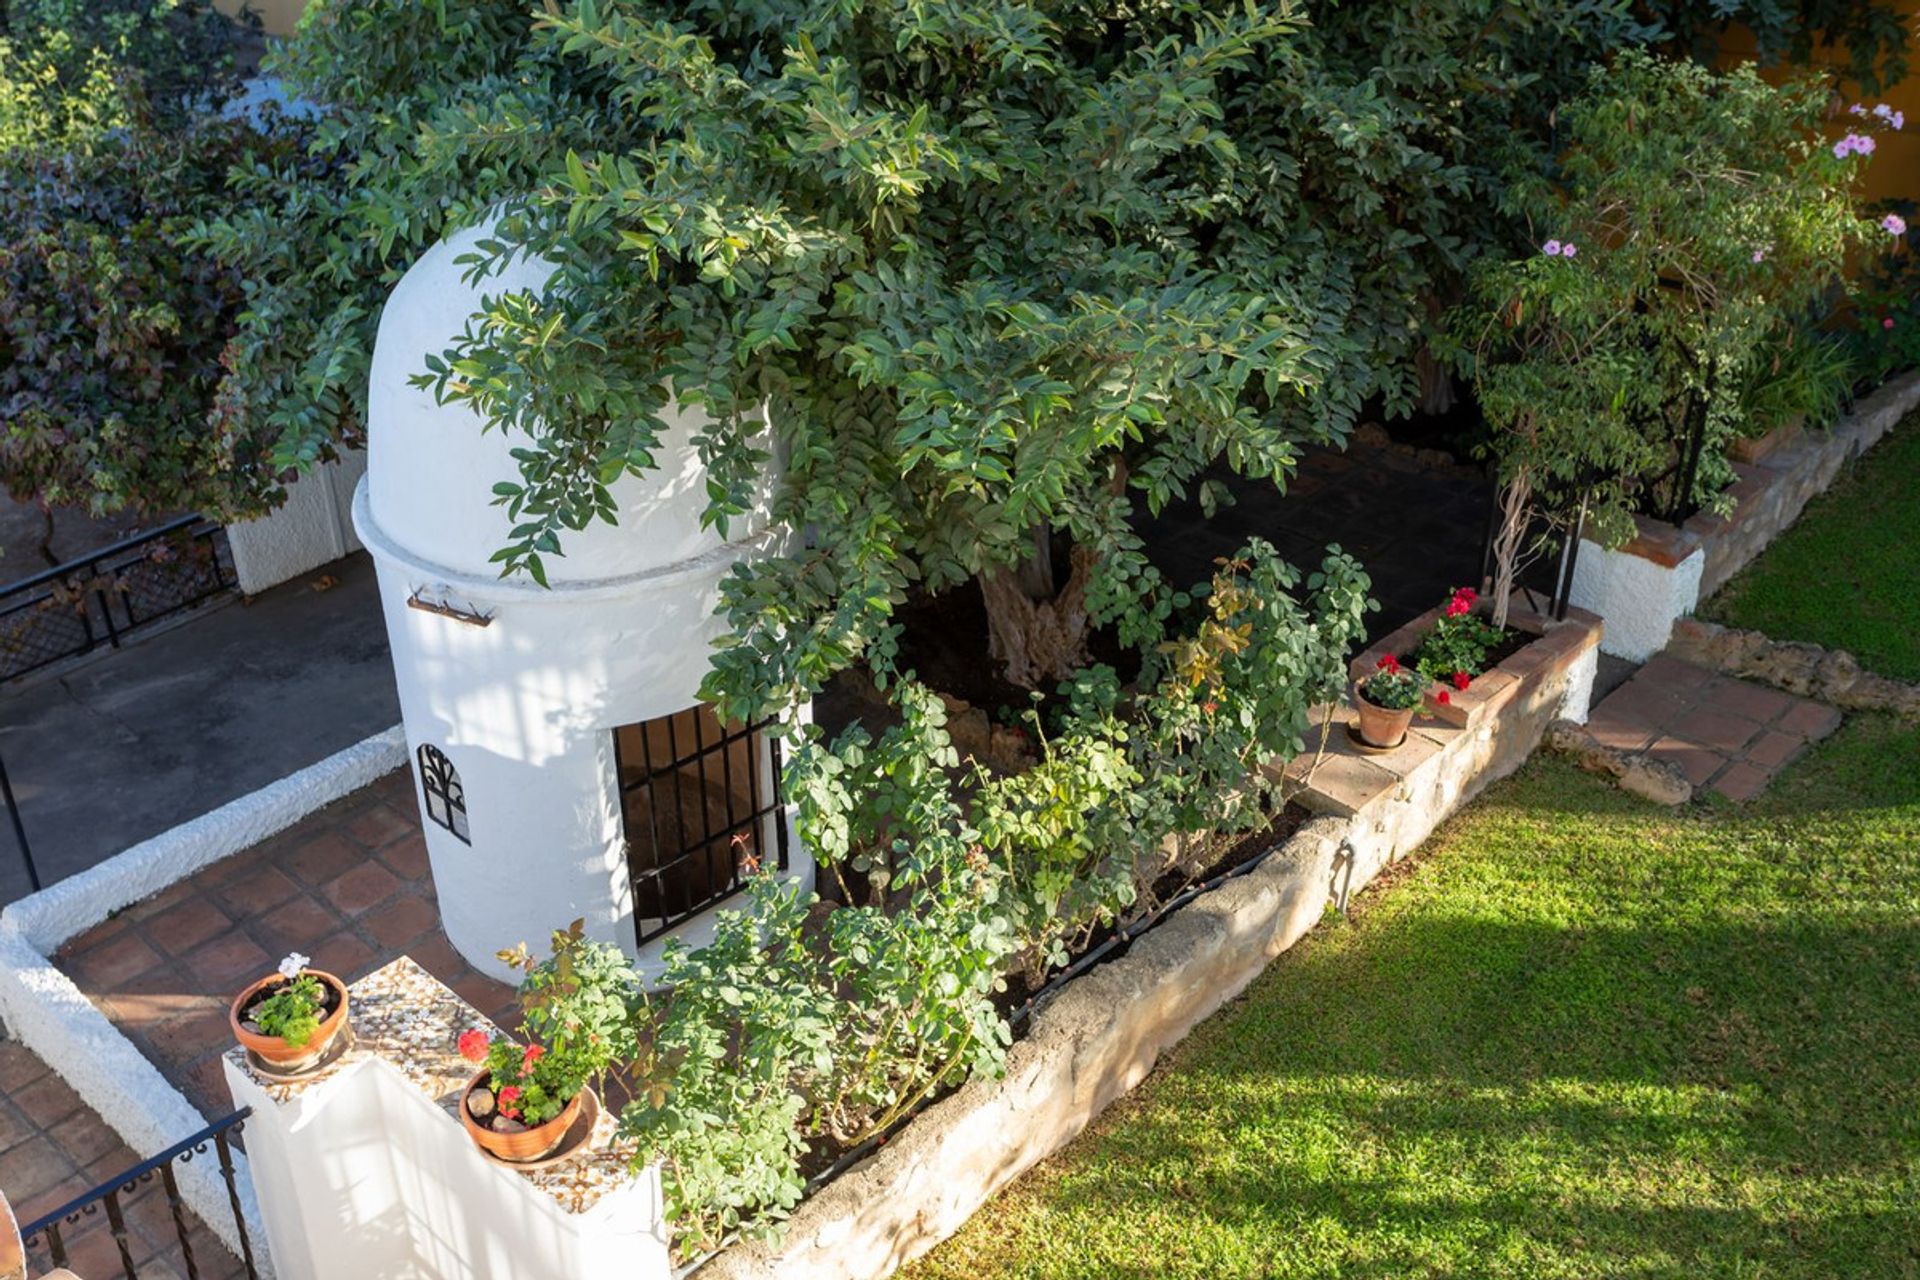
<point x="1455" y="649"/>
<point x="1393" y="687"/>
<point x="575" y="1008"/>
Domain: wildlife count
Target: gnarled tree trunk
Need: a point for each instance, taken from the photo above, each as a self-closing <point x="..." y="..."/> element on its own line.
<point x="1038" y="635"/>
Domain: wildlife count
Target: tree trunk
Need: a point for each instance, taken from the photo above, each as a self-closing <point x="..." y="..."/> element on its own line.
<point x="1037" y="637"/>
<point x="1516" y="511"/>
<point x="46" y="535"/>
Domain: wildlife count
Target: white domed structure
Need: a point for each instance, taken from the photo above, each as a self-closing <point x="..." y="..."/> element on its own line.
<point x="566" y="767"/>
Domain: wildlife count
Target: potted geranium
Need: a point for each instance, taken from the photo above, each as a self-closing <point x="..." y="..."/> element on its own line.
<point x="1384" y="701"/>
<point x="288" y="1019"/>
<point x="526" y="1096"/>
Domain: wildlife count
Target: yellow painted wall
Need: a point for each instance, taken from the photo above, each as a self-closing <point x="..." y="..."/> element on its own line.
<point x="277" y="17"/>
<point x="1894" y="170"/>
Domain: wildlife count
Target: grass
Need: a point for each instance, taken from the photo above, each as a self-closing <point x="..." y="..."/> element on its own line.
<point x="1847" y="576"/>
<point x="1580" y="1037"/>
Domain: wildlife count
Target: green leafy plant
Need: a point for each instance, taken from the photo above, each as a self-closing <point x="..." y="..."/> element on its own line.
<point x="1458" y="642"/>
<point x="1393" y="687"/>
<point x="292" y="1008"/>
<point x="1688" y="216"/>
<point x="576" y="1010"/>
<point x="1798" y="375"/>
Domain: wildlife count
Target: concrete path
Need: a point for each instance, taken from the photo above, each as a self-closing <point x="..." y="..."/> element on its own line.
<point x="131" y="742"/>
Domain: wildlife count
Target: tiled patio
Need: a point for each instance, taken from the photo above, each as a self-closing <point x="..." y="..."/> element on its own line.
<point x="1730" y="736"/>
<point x="348" y="886"/>
<point x="53" y="1148"/>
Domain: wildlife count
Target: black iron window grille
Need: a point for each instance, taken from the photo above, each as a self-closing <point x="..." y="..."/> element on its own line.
<point x="55" y="1233"/>
<point x="446" y="798"/>
<point x="700" y="802"/>
<point x="95" y="600"/>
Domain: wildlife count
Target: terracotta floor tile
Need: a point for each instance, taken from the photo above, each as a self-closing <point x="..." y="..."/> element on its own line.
<point x="381" y="825"/>
<point x="408" y="857"/>
<point x="1621" y="732"/>
<point x="1809" y="720"/>
<point x="227" y="963"/>
<point x="184" y="926"/>
<point x="194" y="1035"/>
<point x="1725" y="733"/>
<point x="1744" y="698"/>
<point x="45" y="1102"/>
<point x="301" y="924"/>
<point x="257" y="892"/>
<point x="19" y="1066"/>
<point x="1741" y="781"/>
<point x="437" y="956"/>
<point x="346" y="957"/>
<point x="1698" y="763"/>
<point x="1773" y="749"/>
<point x="362" y="889"/>
<point x="84" y="1137"/>
<point x="114" y="962"/>
<point x="324" y="858"/>
<point x="31" y="1169"/>
<point x="1672" y="676"/>
<point x="397" y="924"/>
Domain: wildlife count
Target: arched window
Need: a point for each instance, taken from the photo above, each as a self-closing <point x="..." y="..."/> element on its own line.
<point x="446" y="798"/>
<point x="701" y="805"/>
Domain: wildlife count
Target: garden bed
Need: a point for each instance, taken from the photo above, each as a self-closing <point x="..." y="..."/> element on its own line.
<point x="1100" y="1034"/>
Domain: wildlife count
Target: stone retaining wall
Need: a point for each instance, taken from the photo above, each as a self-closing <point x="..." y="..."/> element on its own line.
<point x="1102" y="1034"/>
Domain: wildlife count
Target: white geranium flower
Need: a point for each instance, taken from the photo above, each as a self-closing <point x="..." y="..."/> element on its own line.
<point x="290" y="967"/>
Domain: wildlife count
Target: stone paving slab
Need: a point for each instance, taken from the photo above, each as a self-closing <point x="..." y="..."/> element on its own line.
<point x="1730" y="736"/>
<point x="53" y="1148"/>
<point x="347" y="886"/>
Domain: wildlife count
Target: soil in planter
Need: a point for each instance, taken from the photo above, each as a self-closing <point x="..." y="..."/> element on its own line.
<point x="329" y="1001"/>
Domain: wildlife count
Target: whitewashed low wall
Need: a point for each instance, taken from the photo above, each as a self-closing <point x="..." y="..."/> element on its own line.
<point x="1639" y="596"/>
<point x="1662" y="575"/>
<point x="313" y="527"/>
<point x="46" y="1012"/>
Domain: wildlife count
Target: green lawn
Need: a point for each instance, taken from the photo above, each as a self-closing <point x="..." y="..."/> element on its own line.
<point x="1581" y="1037"/>
<point x="1847" y="576"/>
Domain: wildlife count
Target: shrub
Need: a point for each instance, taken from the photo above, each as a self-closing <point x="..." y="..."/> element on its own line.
<point x="1689" y="216"/>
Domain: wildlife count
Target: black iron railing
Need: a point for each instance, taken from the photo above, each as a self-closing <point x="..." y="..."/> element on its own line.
<point x="701" y="806"/>
<point x="54" y="1234"/>
<point x="99" y="598"/>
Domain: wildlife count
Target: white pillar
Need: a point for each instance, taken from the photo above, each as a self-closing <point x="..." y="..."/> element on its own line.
<point x="365" y="1173"/>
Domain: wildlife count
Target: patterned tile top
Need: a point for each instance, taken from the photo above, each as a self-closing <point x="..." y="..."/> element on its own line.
<point x="408" y="1017"/>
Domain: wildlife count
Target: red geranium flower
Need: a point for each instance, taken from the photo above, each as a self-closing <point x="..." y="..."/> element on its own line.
<point x="1461" y="679"/>
<point x="1388" y="663"/>
<point x="533" y="1054"/>
<point x="473" y="1044"/>
<point x="508" y="1096"/>
<point x="1443" y="698"/>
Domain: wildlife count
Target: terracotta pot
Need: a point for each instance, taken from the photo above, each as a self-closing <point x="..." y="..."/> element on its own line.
<point x="1378" y="726"/>
<point x="276" y="1052"/>
<point x="529" y="1144"/>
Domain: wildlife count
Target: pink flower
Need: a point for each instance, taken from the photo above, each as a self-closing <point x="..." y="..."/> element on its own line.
<point x="1886" y="322"/>
<point x="1759" y="255"/>
<point x="473" y="1044"/>
<point x="533" y="1054"/>
<point x="1894" y="224"/>
<point x="1551" y="248"/>
<point x="1569" y="249"/>
<point x="508" y="1096"/>
<point x="1856" y="110"/>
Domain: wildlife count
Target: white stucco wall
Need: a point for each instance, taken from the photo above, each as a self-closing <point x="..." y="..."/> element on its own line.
<point x="525" y="706"/>
<point x="313" y="527"/>
<point x="1639" y="598"/>
<point x="362" y="1177"/>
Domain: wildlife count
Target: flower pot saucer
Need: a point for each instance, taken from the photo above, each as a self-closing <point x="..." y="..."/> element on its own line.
<point x="1366" y="748"/>
<point x="571" y="1145"/>
<point x="272" y="1074"/>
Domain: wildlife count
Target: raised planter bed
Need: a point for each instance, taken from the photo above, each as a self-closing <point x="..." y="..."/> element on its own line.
<point x="1100" y="1035"/>
<point x="1666" y="570"/>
